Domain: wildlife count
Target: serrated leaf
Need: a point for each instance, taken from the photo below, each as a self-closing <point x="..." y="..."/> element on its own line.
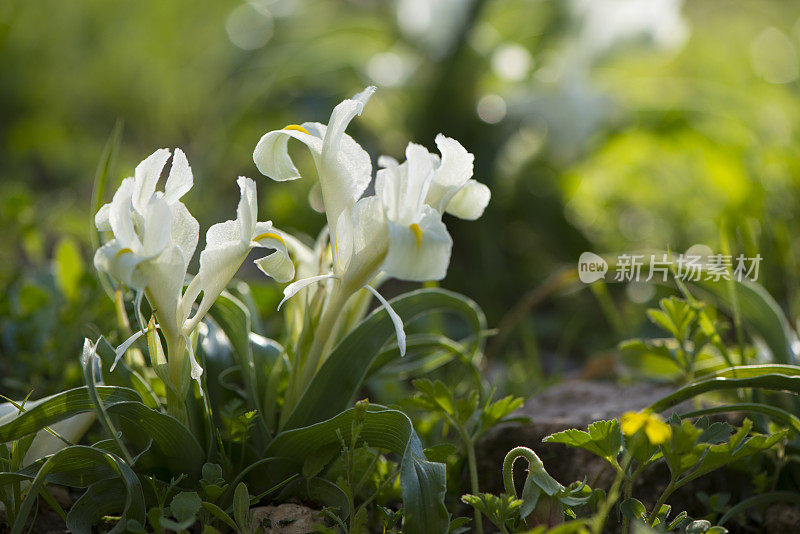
<point x="602" y="438"/>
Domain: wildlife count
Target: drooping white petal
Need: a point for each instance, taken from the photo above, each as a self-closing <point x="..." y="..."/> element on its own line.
<point x="196" y="369"/>
<point x="146" y="177"/>
<point x="101" y="221"/>
<point x="277" y="265"/>
<point x="420" y="251"/>
<point x="271" y="154"/>
<point x="180" y="179"/>
<point x="120" y="263"/>
<point x="396" y="320"/>
<point x="292" y="289"/>
<point x="120" y="351"/>
<point x="470" y="201"/>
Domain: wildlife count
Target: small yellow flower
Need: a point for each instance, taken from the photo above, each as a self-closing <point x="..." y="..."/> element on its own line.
<point x="655" y="428"/>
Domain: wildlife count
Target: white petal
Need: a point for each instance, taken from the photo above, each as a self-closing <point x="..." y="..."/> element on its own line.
<point x="470" y="201"/>
<point x="185" y="231"/>
<point x="419" y="174"/>
<point x="119" y="217"/>
<point x="387" y="187"/>
<point x="165" y="276"/>
<point x="315" y="198"/>
<point x="271" y="155"/>
<point x="292" y="289"/>
<point x="277" y="265"/>
<point x="196" y="370"/>
<point x="341" y="116"/>
<point x="101" y="218"/>
<point x="180" y="178"/>
<point x="457" y="163"/>
<point x="369" y="227"/>
<point x="146" y="177"/>
<point x="247" y="210"/>
<point x="218" y="264"/>
<point x="111" y="259"/>
<point x="157" y="227"/>
<point x="419" y="257"/>
<point x="342" y="241"/>
<point x="344" y="175"/>
<point x="396" y="320"/>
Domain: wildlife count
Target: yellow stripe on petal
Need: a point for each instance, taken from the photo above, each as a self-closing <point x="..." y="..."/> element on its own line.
<point x="123" y="251"/>
<point x="296" y="127"/>
<point x="417" y="233"/>
<point x="269" y="235"/>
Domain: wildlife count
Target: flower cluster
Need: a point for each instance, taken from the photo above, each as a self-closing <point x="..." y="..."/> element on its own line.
<point x="155" y="237"/>
<point x="397" y="232"/>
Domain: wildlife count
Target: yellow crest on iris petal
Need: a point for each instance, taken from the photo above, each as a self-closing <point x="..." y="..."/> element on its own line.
<point x="417" y="233"/>
<point x="296" y="127"/>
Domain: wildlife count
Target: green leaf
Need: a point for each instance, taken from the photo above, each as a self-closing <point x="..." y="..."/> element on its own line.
<point x="776" y="382"/>
<point x="776" y="414"/>
<point x="603" y="438"/>
<point x="760" y="313"/>
<point x="68" y="267"/>
<point x="336" y="383"/>
<point x="174" y="446"/>
<point x="61" y="461"/>
<point x="103" y="498"/>
<point x="184" y="507"/>
<point x="737" y="447"/>
<point x="241" y="505"/>
<point x="495" y="412"/>
<point x="633" y="509"/>
<point x="422" y="482"/>
<point x="234" y="319"/>
<point x="220" y="514"/>
<point x="50" y="410"/>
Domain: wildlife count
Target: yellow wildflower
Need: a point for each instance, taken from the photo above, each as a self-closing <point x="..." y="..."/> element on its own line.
<point x="655" y="428"/>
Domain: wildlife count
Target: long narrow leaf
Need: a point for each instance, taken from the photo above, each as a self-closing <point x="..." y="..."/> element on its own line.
<point x="335" y="384"/>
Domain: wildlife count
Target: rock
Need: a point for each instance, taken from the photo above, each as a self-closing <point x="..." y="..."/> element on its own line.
<point x="569" y="404"/>
<point x="288" y="518"/>
<point x="782" y="517"/>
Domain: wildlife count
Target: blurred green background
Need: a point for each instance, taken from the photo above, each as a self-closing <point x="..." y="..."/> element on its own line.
<point x="603" y="125"/>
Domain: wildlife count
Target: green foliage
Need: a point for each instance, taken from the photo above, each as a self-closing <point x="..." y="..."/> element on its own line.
<point x="602" y="438"/>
